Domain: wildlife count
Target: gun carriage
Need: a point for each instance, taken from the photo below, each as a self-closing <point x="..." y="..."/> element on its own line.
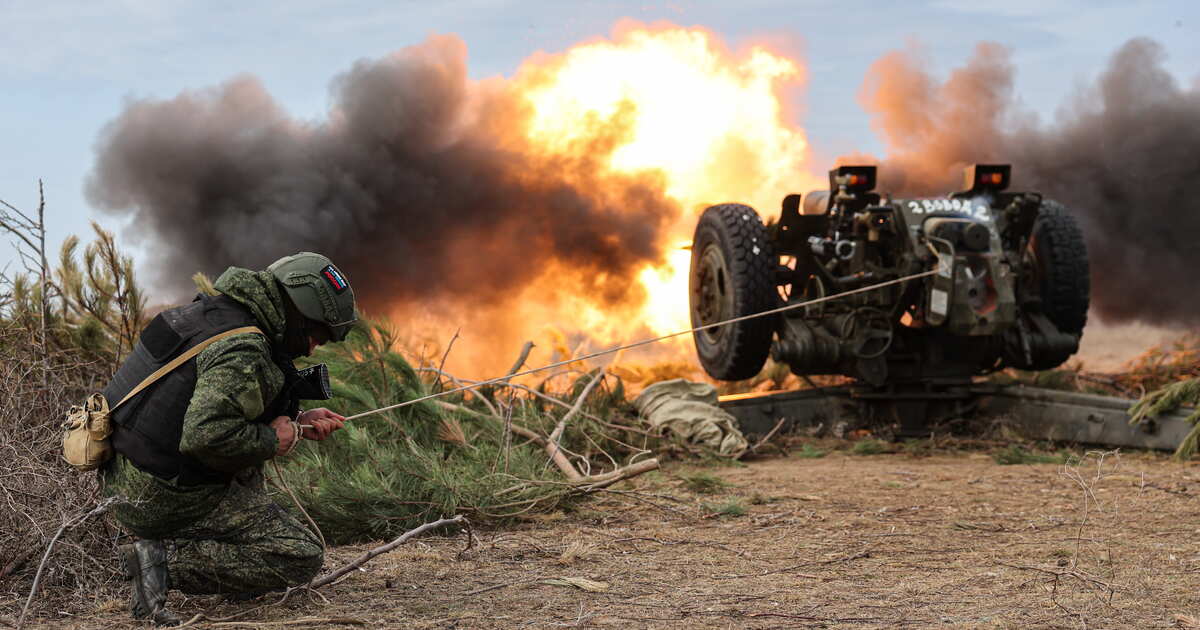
<point x="1011" y="289"/>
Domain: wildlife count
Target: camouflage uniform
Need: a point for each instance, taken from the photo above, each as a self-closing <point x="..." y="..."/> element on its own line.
<point x="225" y="538"/>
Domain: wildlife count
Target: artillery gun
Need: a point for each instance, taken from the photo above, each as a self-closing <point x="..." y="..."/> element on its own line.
<point x="1011" y="289"/>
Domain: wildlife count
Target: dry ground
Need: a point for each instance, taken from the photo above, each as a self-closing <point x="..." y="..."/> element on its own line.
<point x="846" y="541"/>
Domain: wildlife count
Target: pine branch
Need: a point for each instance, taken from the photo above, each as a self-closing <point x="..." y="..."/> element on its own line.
<point x="1169" y="399"/>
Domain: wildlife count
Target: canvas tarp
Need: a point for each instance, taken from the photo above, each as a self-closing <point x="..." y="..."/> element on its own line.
<point x="688" y="411"/>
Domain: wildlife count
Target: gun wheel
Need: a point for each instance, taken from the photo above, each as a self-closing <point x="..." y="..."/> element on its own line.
<point x="1058" y="276"/>
<point x="1059" y="262"/>
<point x="732" y="275"/>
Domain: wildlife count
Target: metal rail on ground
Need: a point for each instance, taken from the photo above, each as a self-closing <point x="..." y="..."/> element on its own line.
<point x="1032" y="412"/>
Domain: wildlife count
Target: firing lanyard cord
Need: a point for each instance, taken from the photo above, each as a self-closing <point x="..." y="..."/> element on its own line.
<point x="646" y="342"/>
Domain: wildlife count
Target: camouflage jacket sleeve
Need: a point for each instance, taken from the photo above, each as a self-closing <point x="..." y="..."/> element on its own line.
<point x="235" y="380"/>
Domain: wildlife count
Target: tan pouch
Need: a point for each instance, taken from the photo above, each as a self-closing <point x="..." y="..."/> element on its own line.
<point x="85" y="440"/>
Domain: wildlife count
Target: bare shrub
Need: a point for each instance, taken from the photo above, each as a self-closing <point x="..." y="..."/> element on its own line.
<point x="62" y="333"/>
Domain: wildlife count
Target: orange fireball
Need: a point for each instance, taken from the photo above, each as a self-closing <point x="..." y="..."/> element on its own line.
<point x="674" y="100"/>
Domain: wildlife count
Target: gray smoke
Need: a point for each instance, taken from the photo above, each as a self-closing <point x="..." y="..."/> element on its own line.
<point x="1124" y="156"/>
<point x="418" y="185"/>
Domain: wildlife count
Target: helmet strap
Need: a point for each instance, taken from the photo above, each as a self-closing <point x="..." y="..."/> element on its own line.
<point x="295" y="335"/>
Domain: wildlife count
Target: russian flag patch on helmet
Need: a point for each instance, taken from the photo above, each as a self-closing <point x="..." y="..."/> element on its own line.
<point x="335" y="278"/>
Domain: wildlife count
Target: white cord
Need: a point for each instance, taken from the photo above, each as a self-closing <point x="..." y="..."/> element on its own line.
<point x="644" y="342"/>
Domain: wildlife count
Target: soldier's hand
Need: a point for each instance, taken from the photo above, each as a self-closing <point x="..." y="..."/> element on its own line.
<point x="322" y="421"/>
<point x="286" y="433"/>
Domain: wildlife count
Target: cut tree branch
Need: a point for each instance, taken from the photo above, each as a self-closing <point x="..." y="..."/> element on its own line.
<point x="520" y="362"/>
<point x="603" y="480"/>
<point x="101" y="508"/>
<point x="553" y="447"/>
<point x="556" y="455"/>
<point x="333" y="576"/>
<point x="445" y="355"/>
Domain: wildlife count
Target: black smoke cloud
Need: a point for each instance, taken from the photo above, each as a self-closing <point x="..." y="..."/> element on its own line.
<point x="1124" y="155"/>
<point x="418" y="184"/>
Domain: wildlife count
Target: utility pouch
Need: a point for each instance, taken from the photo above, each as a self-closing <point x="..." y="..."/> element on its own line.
<point x="87" y="430"/>
<point x="85" y="438"/>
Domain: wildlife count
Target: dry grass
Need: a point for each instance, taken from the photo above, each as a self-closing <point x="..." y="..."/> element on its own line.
<point x="1163" y="365"/>
<point x="1157" y="367"/>
<point x="63" y="330"/>
<point x="38" y="491"/>
<point x="952" y="541"/>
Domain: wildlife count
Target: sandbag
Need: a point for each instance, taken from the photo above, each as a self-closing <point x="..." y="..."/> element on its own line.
<point x="689" y="412"/>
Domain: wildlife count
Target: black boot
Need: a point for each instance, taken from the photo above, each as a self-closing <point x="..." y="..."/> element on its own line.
<point x="146" y="565"/>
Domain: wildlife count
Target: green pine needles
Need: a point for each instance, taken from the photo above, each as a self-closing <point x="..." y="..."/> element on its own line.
<point x="1168" y="399"/>
<point x="385" y="473"/>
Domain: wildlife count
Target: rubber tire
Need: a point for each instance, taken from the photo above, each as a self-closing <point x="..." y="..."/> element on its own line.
<point x="741" y="349"/>
<point x="1065" y="280"/>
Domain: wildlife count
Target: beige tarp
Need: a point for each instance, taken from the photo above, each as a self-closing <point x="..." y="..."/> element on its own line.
<point x="689" y="412"/>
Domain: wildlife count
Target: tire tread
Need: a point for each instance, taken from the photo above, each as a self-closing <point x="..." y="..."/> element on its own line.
<point x="749" y="342"/>
<point x="1067" y="290"/>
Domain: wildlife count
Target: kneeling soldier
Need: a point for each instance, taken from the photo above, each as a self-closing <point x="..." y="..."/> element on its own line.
<point x="190" y="448"/>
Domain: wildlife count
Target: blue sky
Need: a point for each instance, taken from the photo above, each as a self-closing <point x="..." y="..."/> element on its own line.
<point x="67" y="67"/>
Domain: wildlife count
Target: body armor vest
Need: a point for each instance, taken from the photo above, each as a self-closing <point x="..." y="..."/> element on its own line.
<point x="147" y="429"/>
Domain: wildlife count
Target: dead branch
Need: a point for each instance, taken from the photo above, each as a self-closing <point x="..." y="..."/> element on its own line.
<point x="516" y="428"/>
<point x="15" y="229"/>
<point x="332" y="576"/>
<point x="458" y="382"/>
<point x="1078" y="575"/>
<point x="562" y="462"/>
<point x="556" y="455"/>
<point x="770" y="434"/>
<point x="553" y="448"/>
<point x="562" y="422"/>
<point x="445" y="355"/>
<point x="508" y="405"/>
<point x="101" y="508"/>
<point x="337" y="574"/>
<point x="595" y="482"/>
<point x="303" y="621"/>
<point x="550" y="399"/>
<point x="591" y="483"/>
<point x="519" y="362"/>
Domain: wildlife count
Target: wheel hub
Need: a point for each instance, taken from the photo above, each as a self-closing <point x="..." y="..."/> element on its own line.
<point x="713" y="298"/>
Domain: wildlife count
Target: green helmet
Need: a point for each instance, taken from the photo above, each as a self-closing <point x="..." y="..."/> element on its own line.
<point x="319" y="290"/>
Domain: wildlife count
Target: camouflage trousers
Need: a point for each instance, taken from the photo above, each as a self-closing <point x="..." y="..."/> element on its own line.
<point x="246" y="544"/>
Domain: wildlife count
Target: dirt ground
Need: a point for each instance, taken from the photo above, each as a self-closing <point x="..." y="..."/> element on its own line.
<point x="952" y="540"/>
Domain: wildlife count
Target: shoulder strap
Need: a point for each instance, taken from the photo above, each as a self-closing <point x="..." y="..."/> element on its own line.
<point x="183" y="358"/>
